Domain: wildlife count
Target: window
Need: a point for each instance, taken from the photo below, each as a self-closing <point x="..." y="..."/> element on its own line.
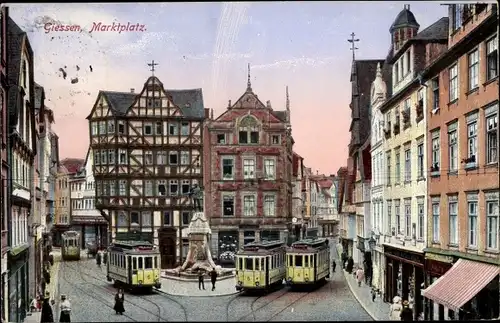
<point x="388" y="168"/>
<point x="453" y="219"/>
<point x="269" y="205"/>
<point x="398" y="166"/>
<point x="249" y="205"/>
<point x="269" y="169"/>
<point x="407" y="164"/>
<point x="123" y="156"/>
<point x="159" y="128"/>
<point x="457" y="17"/>
<point x="95" y="127"/>
<point x="473" y="70"/>
<point x="227" y="168"/>
<point x="472" y="143"/>
<point x="104" y="157"/>
<point x="157" y="103"/>
<point x="492" y="135"/>
<point x="186" y="218"/>
<point x="111" y="156"/>
<point x="248" y="132"/>
<point x="408" y="60"/>
<point x="453" y="147"/>
<point x="453" y="74"/>
<point x="172" y="158"/>
<point x="111" y="126"/>
<point x="228" y="205"/>
<point x="161" y="157"/>
<point x="174" y="187"/>
<point x="146" y="219"/>
<point x="148" y="157"/>
<point x="221" y="138"/>
<point x="435" y="151"/>
<point x="397" y="205"/>
<point x="134" y="217"/>
<point x="491" y="58"/>
<point x="112" y="189"/>
<point x="435" y="219"/>
<point x="162" y="187"/>
<point x="408" y="217"/>
<point x="121" y="127"/>
<point x="396" y="72"/>
<point x="492" y="218"/>
<point x="472" y="220"/>
<point x="248" y="168"/>
<point x="184" y="128"/>
<point x="148" y="129"/>
<point x="24" y="74"/>
<point x="185" y="157"/>
<point x="123" y="187"/>
<point x="389" y="217"/>
<point x="420" y="160"/>
<point x="148" y="188"/>
<point x="122" y="220"/>
<point x="275" y="139"/>
<point x="173" y="128"/>
<point x="186" y="186"/>
<point x="421" y="219"/>
<point x="435" y="94"/>
<point x="97" y="157"/>
<point x="167" y="218"/>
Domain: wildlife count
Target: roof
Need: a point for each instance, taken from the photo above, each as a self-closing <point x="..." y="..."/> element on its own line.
<point x="325" y="183"/>
<point x="280" y="115"/>
<point x="342" y="176"/>
<point x="404" y="19"/>
<point x="73" y="165"/>
<point x="296" y="163"/>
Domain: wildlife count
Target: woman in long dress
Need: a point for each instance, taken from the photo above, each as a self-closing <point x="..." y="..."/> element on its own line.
<point x="119" y="300"/>
<point x="47" y="314"/>
<point x="65" y="306"/>
<point x="396" y="309"/>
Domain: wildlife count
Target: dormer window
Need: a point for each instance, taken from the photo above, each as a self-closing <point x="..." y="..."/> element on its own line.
<point x="248" y="131"/>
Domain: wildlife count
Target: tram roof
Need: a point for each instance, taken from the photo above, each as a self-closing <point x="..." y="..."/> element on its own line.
<point x="132" y="245"/>
<point x="262" y="246"/>
<point x="310" y="243"/>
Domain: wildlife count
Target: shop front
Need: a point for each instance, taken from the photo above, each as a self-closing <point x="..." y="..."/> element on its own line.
<point x="404" y="276"/>
<point x="93" y="229"/>
<point x="469" y="290"/>
<point x="435" y="267"/>
<point x="18" y="283"/>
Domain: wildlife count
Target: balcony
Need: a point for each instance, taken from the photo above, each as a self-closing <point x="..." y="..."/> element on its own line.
<point x="5" y="242"/>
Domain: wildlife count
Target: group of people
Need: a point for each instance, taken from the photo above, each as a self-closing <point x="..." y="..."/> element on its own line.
<point x="98" y="258"/>
<point x="400" y="310"/>
<point x="201" y="278"/>
<point x="47" y="312"/>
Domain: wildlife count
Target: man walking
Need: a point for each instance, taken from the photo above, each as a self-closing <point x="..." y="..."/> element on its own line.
<point x="201" y="282"/>
<point x="213" y="276"/>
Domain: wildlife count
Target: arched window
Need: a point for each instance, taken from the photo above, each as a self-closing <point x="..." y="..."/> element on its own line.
<point x="248" y="130"/>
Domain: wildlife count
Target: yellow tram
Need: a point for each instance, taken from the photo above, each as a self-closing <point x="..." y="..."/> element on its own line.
<point x="260" y="265"/>
<point x="134" y="264"/>
<point x="308" y="262"/>
<point x="71" y="248"/>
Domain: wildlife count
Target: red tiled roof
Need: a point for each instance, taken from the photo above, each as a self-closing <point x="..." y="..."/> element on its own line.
<point x="325" y="183"/>
<point x="296" y="162"/>
<point x="73" y="165"/>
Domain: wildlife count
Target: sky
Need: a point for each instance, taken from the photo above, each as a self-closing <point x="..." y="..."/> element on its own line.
<point x="302" y="45"/>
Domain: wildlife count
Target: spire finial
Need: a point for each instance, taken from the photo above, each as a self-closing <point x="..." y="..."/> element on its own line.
<point x="249" y="83"/>
<point x="379" y="70"/>
<point x="287" y="100"/>
<point x="353" y="42"/>
<point x="152" y="65"/>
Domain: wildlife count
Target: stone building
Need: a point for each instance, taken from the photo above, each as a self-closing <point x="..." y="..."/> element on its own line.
<point x="248" y="174"/>
<point x="463" y="181"/>
<point x="299" y="197"/>
<point x="326" y="205"/>
<point x="21" y="150"/>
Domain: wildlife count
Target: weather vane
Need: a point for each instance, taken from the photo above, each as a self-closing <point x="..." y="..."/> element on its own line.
<point x="152" y="65"/>
<point x="353" y="42"/>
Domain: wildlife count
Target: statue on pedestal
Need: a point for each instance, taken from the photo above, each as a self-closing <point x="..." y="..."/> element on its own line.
<point x="196" y="194"/>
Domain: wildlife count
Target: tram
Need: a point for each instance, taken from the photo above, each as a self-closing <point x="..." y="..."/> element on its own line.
<point x="260" y="265"/>
<point x="308" y="262"/>
<point x="71" y="245"/>
<point x="134" y="265"/>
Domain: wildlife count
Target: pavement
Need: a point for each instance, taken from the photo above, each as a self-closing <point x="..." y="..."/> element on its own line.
<point x="176" y="287"/>
<point x="377" y="309"/>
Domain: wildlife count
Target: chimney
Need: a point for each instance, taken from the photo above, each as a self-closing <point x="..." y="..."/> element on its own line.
<point x="268" y="104"/>
<point x="132" y="90"/>
<point x="229" y="103"/>
<point x="207" y="113"/>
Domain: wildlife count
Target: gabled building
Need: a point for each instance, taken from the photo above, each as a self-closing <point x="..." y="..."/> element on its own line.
<point x="248" y="174"/>
<point x="298" y="195"/>
<point x="22" y="151"/>
<point x="328" y="219"/>
<point x="147" y="150"/>
<point x="404" y="145"/>
<point x="85" y="218"/>
<point x="463" y="182"/>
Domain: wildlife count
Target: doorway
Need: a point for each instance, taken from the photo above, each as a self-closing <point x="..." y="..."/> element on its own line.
<point x="166" y="241"/>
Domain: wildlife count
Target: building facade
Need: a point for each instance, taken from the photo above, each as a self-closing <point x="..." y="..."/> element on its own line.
<point x="299" y="197"/>
<point x="405" y="146"/>
<point x="328" y="219"/>
<point x="22" y="151"/>
<point x="463" y="182"/>
<point x="4" y="192"/>
<point x="62" y="205"/>
<point x="147" y="150"/>
<point x="248" y="178"/>
<point x="85" y="218"/>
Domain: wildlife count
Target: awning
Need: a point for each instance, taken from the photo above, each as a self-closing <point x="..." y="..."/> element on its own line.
<point x="461" y="283"/>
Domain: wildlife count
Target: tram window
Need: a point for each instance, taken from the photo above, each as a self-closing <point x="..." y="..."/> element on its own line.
<point x="148" y="262"/>
<point x="140" y="263"/>
<point x="306" y="261"/>
<point x="261" y="264"/>
<point x="134" y="263"/>
<point x="240" y="261"/>
<point x="156" y="262"/>
<point x="315" y="260"/>
<point x="298" y="261"/>
<point x="249" y="263"/>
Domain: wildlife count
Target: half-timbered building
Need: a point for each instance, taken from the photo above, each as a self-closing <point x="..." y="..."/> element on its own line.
<point x="248" y="174"/>
<point x="147" y="155"/>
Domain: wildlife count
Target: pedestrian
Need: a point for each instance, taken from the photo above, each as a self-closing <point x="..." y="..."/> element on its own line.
<point x="213" y="277"/>
<point x="98" y="259"/>
<point x="47" y="314"/>
<point x="201" y="282"/>
<point x="406" y="313"/>
<point x="65" y="306"/>
<point x="344" y="259"/>
<point x="119" y="301"/>
<point x="105" y="257"/>
<point x="395" y="309"/>
<point x="360" y="275"/>
<point x="350" y="265"/>
<point x="374" y="294"/>
<point x="334" y="265"/>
